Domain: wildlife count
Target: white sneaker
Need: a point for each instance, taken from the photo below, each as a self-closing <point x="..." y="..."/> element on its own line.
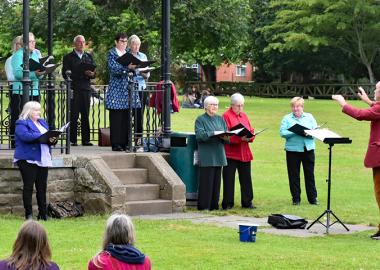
<point x="139" y="149"/>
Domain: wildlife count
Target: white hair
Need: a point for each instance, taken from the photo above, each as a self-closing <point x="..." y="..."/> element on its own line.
<point x="28" y="108"/>
<point x="237" y="98"/>
<point x="119" y="231"/>
<point x="210" y="100"/>
<point x="133" y="39"/>
<point x="78" y="36"/>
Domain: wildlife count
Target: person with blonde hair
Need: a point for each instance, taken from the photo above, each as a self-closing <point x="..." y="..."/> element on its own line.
<point x="31" y="250"/>
<point x="299" y="149"/>
<point x="32" y="157"/>
<point x="118" y="247"/>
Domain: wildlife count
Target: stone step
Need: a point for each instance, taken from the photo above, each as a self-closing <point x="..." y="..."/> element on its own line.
<point x="149" y="207"/>
<point x="120" y="160"/>
<point x="132" y="175"/>
<point x="140" y="192"/>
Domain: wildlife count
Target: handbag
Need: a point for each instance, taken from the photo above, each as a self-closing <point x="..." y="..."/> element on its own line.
<point x="63" y="209"/>
<point x="104" y="137"/>
<point x="281" y="221"/>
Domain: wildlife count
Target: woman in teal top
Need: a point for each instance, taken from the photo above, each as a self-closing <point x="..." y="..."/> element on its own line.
<point x="299" y="149"/>
<point x="211" y="154"/>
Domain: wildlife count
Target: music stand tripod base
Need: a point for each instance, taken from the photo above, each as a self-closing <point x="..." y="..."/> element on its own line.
<point x="328" y="212"/>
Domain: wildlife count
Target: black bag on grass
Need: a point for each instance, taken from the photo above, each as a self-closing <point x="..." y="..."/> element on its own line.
<point x="65" y="209"/>
<point x="281" y="221"/>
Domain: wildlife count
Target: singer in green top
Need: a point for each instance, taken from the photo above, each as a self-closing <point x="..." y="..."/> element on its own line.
<point x="211" y="154"/>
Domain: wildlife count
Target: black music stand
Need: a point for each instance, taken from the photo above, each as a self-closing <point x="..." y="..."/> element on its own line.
<point x="328" y="211"/>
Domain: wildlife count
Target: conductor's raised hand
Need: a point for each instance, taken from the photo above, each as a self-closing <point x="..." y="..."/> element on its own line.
<point x="340" y="99"/>
<point x="363" y="96"/>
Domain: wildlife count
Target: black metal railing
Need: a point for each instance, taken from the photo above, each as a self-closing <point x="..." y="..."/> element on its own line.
<point x="48" y="91"/>
<point x="59" y="113"/>
<point x="279" y="89"/>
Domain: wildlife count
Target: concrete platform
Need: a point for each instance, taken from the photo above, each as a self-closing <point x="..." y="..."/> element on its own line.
<point x="233" y="221"/>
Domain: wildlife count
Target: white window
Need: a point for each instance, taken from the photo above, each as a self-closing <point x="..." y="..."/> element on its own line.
<point x="241" y="70"/>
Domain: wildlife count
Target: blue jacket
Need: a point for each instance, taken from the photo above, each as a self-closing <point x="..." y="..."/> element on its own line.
<point x="294" y="142"/>
<point x="26" y="133"/>
<point x="117" y="93"/>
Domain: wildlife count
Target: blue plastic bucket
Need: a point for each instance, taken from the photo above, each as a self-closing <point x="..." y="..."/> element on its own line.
<point x="247" y="232"/>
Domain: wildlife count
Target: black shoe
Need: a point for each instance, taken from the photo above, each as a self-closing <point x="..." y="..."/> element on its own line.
<point x="296" y="203"/>
<point x="251" y="206"/>
<point x="228" y="207"/>
<point x="29" y="217"/>
<point x="42" y="217"/>
<point x="87" y="144"/>
<point x="376" y="236"/>
<point x="74" y="144"/>
<point x="315" y="202"/>
<point x="117" y="148"/>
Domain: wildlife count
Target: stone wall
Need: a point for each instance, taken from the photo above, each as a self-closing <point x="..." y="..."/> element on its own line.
<point x="88" y="179"/>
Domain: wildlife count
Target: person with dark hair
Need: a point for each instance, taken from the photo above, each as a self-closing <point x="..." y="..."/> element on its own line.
<point x="81" y="76"/>
<point x="372" y="157"/>
<point x="31" y="250"/>
<point x="118" y="247"/>
<point x="32" y="157"/>
<point x="117" y="97"/>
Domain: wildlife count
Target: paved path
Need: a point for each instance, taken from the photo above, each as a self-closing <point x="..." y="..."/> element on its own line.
<point x="233" y="221"/>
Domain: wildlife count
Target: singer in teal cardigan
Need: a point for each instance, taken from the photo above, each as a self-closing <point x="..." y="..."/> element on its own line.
<point x="211" y="154"/>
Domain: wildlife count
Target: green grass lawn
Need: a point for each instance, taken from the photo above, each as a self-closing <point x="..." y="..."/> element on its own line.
<point x="183" y="245"/>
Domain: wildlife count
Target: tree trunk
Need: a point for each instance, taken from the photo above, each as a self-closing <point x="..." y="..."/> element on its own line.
<point x="370" y="73"/>
<point x="210" y="73"/>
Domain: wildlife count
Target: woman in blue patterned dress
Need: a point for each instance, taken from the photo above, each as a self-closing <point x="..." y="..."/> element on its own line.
<point x="117" y="95"/>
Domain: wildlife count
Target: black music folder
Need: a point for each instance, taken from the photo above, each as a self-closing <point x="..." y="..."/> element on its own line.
<point x="128" y="58"/>
<point x="44" y="64"/>
<point x="48" y="137"/>
<point x="298" y="129"/>
<point x="83" y="67"/>
<point x="244" y="131"/>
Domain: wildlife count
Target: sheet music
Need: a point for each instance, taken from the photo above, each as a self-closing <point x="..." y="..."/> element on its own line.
<point x="322" y="133"/>
<point x="63" y="128"/>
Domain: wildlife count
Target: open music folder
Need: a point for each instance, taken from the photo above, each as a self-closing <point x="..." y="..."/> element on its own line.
<point x="327" y="136"/>
<point x="50" y="136"/>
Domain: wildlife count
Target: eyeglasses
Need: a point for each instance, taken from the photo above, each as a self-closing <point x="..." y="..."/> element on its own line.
<point x="123" y="40"/>
<point x="238" y="105"/>
<point x="32" y="41"/>
<point x="215" y="105"/>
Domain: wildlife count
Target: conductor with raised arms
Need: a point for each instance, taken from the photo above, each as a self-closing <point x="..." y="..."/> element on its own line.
<point x="372" y="158"/>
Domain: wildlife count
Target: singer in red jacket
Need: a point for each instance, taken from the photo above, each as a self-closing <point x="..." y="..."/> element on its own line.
<point x="372" y="158"/>
<point x="239" y="157"/>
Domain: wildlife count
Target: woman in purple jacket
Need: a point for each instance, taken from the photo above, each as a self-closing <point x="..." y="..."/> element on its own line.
<point x="31" y="250"/>
<point x="32" y="157"/>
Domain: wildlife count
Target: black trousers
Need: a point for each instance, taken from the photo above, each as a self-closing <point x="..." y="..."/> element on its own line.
<point x="119" y="123"/>
<point x="209" y="188"/>
<point x="139" y="114"/>
<point x="33" y="175"/>
<point x="293" y="161"/>
<point x="80" y="104"/>
<point x="246" y="190"/>
<point x="15" y="110"/>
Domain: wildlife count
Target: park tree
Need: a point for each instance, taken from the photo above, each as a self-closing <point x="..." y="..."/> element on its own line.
<point x="210" y="32"/>
<point x="351" y="26"/>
